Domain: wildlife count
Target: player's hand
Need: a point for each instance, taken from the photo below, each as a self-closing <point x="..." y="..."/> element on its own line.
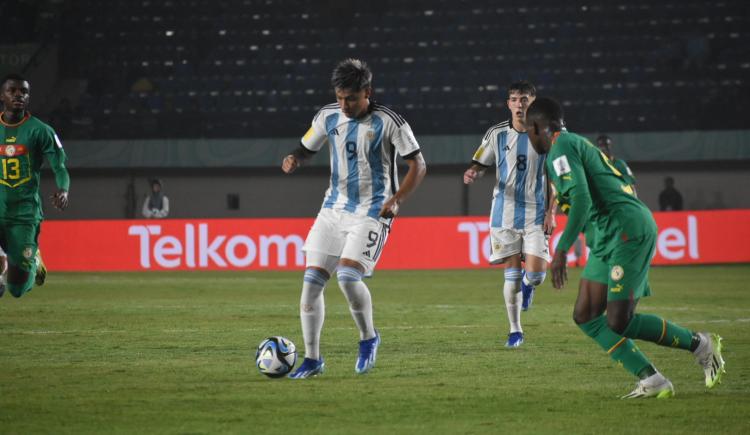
<point x="559" y="269"/>
<point x="60" y="199"/>
<point x="289" y="164"/>
<point x="470" y="175"/>
<point x="390" y="208"/>
<point x="549" y="223"/>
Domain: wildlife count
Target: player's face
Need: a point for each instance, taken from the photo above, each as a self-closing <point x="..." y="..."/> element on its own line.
<point x="539" y="136"/>
<point x="518" y="103"/>
<point x="15" y="95"/>
<point x="353" y="103"/>
<point x="604" y="147"/>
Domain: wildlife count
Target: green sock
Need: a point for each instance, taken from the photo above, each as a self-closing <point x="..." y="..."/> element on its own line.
<point x="657" y="330"/>
<point x="619" y="348"/>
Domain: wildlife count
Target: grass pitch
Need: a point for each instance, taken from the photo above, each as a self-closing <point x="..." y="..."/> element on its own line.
<point x="173" y="353"/>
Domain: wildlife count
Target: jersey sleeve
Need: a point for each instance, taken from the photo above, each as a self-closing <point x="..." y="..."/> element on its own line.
<point x="316" y="135"/>
<point x="566" y="171"/>
<point x="404" y="141"/>
<point x="485" y="154"/>
<point x="53" y="150"/>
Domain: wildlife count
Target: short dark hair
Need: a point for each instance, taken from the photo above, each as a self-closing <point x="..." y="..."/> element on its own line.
<point x="522" y="87"/>
<point x="604" y="138"/>
<point x="12" y="76"/>
<point x="352" y="74"/>
<point x="547" y="109"/>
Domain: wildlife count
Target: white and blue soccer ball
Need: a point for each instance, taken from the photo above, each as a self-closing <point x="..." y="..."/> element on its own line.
<point x="276" y="356"/>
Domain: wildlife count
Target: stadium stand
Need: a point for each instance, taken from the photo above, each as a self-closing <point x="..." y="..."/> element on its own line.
<point x="259" y="68"/>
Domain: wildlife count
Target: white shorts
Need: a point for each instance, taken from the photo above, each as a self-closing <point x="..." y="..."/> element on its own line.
<point x="507" y="242"/>
<point x="341" y="234"/>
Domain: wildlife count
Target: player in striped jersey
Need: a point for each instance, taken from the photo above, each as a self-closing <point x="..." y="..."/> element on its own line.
<point x="521" y="218"/>
<point x="364" y="196"/>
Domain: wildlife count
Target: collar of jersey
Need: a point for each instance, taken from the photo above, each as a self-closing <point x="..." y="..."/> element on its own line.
<point x="24" y="119"/>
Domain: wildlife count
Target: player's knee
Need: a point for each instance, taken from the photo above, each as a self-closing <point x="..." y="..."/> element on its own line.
<point x="535" y="278"/>
<point x="316" y="276"/>
<point x="513" y="275"/>
<point x="581" y="316"/>
<point x="347" y="276"/>
<point x="18" y="290"/>
<point x="618" y="323"/>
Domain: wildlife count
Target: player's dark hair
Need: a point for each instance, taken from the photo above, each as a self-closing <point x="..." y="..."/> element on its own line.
<point x="12" y="76"/>
<point x="548" y="110"/>
<point x="604" y="138"/>
<point x="522" y="87"/>
<point x="351" y="74"/>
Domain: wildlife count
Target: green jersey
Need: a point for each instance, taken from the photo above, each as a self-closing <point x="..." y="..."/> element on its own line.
<point x="624" y="169"/>
<point x="591" y="187"/>
<point x="22" y="153"/>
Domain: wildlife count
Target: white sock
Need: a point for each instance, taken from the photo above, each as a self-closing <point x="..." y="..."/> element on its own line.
<point x="359" y="298"/>
<point x="312" y="311"/>
<point x="513" y="298"/>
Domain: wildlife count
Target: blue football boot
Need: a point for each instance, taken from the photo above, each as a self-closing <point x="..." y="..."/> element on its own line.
<point x="368" y="353"/>
<point x="515" y="339"/>
<point x="308" y="369"/>
<point x="527" y="292"/>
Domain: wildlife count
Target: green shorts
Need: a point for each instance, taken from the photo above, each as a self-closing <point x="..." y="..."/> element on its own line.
<point x="596" y="270"/>
<point x="19" y="241"/>
<point x="628" y="269"/>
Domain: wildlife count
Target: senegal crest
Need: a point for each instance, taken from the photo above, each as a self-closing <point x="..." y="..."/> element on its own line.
<point x="10" y="150"/>
<point x="28" y="252"/>
<point x="617" y="273"/>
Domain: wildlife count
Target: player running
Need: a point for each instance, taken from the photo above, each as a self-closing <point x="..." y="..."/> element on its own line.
<point x="521" y="218"/>
<point x="26" y="142"/>
<point x="624" y="241"/>
<point x="364" y="196"/>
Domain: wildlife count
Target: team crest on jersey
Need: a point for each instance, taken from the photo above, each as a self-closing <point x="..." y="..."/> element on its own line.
<point x="561" y="166"/>
<point x="617" y="273"/>
<point x="10" y="150"/>
<point x="28" y="252"/>
<point x="370" y="135"/>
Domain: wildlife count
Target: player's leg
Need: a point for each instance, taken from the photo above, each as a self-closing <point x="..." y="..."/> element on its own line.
<point x="320" y="248"/>
<point x="4" y="272"/>
<point x="364" y="244"/>
<point x="536" y="254"/>
<point x="22" y="246"/>
<point x="628" y="282"/>
<point x="588" y="314"/>
<point x="506" y="247"/>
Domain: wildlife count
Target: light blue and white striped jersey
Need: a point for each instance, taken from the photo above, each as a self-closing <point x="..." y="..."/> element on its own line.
<point x="518" y="197"/>
<point x="364" y="174"/>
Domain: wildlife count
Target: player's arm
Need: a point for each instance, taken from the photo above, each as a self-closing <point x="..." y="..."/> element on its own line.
<point x="53" y="151"/>
<point x="483" y="158"/>
<point x="311" y="142"/>
<point x="415" y="175"/>
<point x="549" y="216"/>
<point x="296" y="158"/>
<point x="476" y="170"/>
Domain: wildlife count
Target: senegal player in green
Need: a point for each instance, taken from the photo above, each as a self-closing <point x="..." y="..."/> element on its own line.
<point x="624" y="234"/>
<point x="26" y="142"/>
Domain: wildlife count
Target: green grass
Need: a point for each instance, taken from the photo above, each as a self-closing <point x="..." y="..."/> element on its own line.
<point x="173" y="353"/>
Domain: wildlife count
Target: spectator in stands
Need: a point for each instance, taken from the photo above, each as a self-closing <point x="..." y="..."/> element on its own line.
<point x="670" y="198"/>
<point x="156" y="204"/>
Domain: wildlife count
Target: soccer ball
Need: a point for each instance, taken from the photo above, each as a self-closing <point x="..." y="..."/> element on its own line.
<point x="276" y="356"/>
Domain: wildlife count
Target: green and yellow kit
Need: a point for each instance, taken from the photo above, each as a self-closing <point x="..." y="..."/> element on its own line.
<point x="22" y="151"/>
<point x="624" y="231"/>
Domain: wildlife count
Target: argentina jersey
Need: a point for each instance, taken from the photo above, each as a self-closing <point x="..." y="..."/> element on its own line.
<point x="364" y="174"/>
<point x="518" y="196"/>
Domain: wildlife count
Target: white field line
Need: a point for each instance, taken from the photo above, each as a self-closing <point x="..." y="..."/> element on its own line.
<point x="400" y="327"/>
